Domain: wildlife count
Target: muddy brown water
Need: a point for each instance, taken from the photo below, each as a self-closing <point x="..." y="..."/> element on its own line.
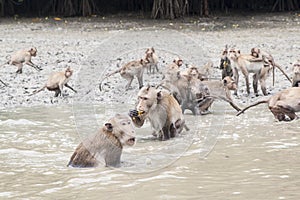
<point x="222" y="157"/>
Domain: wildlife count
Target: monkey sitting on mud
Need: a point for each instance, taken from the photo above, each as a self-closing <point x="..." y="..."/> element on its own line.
<point x="106" y="145"/>
<point x="296" y="74"/>
<point x="283" y="105"/>
<point x="152" y="59"/>
<point x="57" y="81"/>
<point x="129" y="71"/>
<point x="23" y="57"/>
<point x="161" y="109"/>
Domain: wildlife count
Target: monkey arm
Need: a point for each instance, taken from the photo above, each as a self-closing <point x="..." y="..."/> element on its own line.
<point x="70" y="87"/>
<point x="137" y="120"/>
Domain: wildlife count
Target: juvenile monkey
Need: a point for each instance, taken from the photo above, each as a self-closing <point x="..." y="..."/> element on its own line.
<point x="161" y="109"/>
<point x="258" y="55"/>
<point x="225" y="64"/>
<point x="283" y="104"/>
<point x="57" y="81"/>
<point x="129" y="71"/>
<point x="296" y="74"/>
<point x="23" y="57"/>
<point x="105" y="146"/>
<point x="152" y="59"/>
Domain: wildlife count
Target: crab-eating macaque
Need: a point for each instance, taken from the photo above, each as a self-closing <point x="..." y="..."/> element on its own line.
<point x="23" y="57"/>
<point x="243" y="63"/>
<point x="296" y="74"/>
<point x="283" y="105"/>
<point x="220" y="89"/>
<point x="225" y="64"/>
<point x="129" y="71"/>
<point x="259" y="55"/>
<point x="161" y="109"/>
<point x="57" y="81"/>
<point x="105" y="146"/>
<point x="152" y="59"/>
<point x="193" y="71"/>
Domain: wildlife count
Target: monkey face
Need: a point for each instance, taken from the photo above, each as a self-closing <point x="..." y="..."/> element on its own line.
<point x="296" y="67"/>
<point x="229" y="83"/>
<point x="33" y="51"/>
<point x="147" y="97"/>
<point x="234" y="53"/>
<point x="123" y="129"/>
<point x="255" y="52"/>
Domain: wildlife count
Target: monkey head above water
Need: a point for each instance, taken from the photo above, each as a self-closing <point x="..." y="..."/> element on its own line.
<point x="161" y="109"/>
<point x="106" y="146"/>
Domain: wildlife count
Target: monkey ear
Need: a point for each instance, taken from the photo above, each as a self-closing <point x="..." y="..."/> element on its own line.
<point x="108" y="127"/>
<point x="159" y="96"/>
<point x="152" y="49"/>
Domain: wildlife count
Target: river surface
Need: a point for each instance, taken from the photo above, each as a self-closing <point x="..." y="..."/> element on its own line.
<point x="221" y="157"/>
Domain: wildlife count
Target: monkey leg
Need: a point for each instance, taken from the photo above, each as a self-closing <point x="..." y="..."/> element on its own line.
<point x="57" y="92"/>
<point x="173" y="130"/>
<point x="166" y="133"/>
<point x="20" y="66"/>
<point x="278" y="114"/>
<point x="129" y="79"/>
<point x="140" y="80"/>
<point x="236" y="78"/>
<point x="255" y="82"/>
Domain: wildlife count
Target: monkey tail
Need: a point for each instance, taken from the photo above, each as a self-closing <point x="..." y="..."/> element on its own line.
<point x="37" y="91"/>
<point x="3" y="83"/>
<point x="252" y="105"/>
<point x="278" y="66"/>
<point x="108" y="75"/>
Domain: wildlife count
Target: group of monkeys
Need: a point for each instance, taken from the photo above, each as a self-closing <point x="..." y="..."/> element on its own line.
<point x="56" y="80"/>
<point x="164" y="105"/>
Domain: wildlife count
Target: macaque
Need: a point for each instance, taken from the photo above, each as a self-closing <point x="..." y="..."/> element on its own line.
<point x="129" y="71"/>
<point x="162" y="111"/>
<point x="243" y="63"/>
<point x="225" y="64"/>
<point x="283" y="105"/>
<point x="23" y="57"/>
<point x="105" y="146"/>
<point x="152" y="59"/>
<point x="296" y="74"/>
<point x="57" y="81"/>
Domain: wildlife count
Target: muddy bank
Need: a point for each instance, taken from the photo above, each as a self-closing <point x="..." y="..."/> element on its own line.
<point x="91" y="46"/>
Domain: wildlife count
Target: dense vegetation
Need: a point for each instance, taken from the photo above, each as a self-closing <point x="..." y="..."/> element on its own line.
<point x="168" y="9"/>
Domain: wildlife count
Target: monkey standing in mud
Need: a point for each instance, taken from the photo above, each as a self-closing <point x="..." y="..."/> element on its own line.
<point x="57" y="81"/>
<point x="106" y="145"/>
<point x="225" y="64"/>
<point x="296" y="74"/>
<point x="284" y="103"/>
<point x="248" y="64"/>
<point x="23" y="57"/>
<point x="129" y="71"/>
<point x="152" y="59"/>
<point x="259" y="55"/>
<point x="161" y="109"/>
